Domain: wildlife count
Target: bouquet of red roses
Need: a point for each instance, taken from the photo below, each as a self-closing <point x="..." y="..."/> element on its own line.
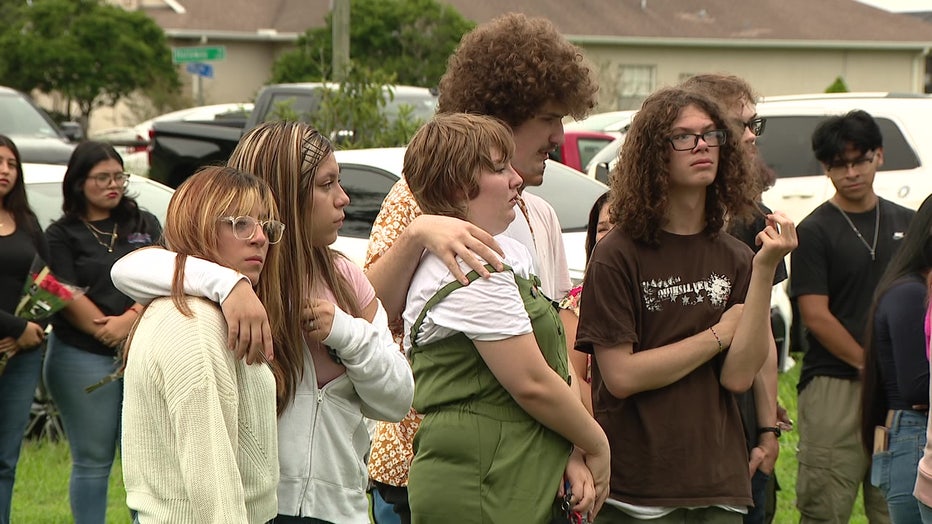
<point x="43" y="296"/>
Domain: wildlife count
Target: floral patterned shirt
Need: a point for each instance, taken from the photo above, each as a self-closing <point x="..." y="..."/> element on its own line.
<point x="392" y="450"/>
<point x="571" y="302"/>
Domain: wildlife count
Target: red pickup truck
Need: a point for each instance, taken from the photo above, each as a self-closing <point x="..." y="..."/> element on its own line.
<point x="579" y="147"/>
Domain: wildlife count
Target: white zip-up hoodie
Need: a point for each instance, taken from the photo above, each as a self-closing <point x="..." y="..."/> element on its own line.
<point x="323" y="439"/>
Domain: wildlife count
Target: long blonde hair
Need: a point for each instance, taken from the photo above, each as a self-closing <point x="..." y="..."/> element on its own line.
<point x="287" y="155"/>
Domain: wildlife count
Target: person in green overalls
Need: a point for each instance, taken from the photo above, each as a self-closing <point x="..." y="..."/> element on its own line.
<point x="502" y="424"/>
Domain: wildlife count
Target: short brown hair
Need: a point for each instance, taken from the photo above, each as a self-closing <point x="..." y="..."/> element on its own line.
<point x="513" y="65"/>
<point x="443" y="160"/>
<point x="641" y="180"/>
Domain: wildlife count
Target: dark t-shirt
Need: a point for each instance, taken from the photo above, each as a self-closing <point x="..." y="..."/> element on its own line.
<point x="17" y="252"/>
<point x="900" y="343"/>
<point x="77" y="257"/>
<point x="747" y="233"/>
<point x="831" y="260"/>
<point x="681" y="445"/>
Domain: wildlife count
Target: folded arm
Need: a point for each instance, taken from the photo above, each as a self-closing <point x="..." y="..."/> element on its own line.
<point x="380" y="373"/>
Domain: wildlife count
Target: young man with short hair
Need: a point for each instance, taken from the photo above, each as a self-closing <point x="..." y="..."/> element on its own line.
<point x="845" y="245"/>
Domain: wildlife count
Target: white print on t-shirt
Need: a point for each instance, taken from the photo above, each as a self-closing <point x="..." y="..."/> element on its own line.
<point x="716" y="288"/>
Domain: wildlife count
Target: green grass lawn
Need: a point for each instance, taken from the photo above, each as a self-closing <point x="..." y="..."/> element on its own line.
<point x="786" y="463"/>
<point x="40" y="495"/>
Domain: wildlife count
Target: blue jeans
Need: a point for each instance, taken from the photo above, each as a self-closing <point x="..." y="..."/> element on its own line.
<point x="17" y="389"/>
<point x="758" y="513"/>
<point x="91" y="420"/>
<point x="926" y="513"/>
<point x="894" y="470"/>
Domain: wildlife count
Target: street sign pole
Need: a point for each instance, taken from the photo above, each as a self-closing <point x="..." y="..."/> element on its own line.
<point x="187" y="56"/>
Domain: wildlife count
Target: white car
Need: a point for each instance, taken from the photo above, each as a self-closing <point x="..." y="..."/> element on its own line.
<point x="786" y="146"/>
<point x="613" y="123"/>
<point x="43" y="188"/>
<point x="368" y="174"/>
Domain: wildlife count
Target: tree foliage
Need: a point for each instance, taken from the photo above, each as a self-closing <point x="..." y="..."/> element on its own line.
<point x="408" y="38"/>
<point x="838" y="86"/>
<point x="91" y="52"/>
<point x="353" y="113"/>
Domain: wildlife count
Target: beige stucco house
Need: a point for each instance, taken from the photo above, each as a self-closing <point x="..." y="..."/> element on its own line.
<point x="780" y="46"/>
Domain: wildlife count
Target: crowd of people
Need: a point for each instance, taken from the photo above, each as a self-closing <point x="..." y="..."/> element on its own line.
<point x="459" y="376"/>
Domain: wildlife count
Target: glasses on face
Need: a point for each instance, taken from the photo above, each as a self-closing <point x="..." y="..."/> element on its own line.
<point x="105" y="179"/>
<point x="245" y="227"/>
<point x="755" y="125"/>
<point x="858" y="165"/>
<point x="688" y="141"/>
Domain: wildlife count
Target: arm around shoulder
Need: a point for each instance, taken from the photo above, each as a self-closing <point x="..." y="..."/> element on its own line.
<point x="146" y="274"/>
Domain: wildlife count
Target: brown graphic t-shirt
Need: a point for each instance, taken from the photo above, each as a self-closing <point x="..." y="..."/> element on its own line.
<point x="681" y="445"/>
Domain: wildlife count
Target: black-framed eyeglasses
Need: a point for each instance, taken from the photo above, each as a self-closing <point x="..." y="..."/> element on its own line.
<point x="756" y="125"/>
<point x="105" y="179"/>
<point x="245" y="227"/>
<point x="858" y="165"/>
<point x="688" y="141"/>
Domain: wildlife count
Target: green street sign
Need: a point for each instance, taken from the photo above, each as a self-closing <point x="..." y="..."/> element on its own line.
<point x="184" y="55"/>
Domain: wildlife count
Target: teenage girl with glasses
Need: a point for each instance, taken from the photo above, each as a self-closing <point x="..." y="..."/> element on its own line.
<point x="100" y="223"/>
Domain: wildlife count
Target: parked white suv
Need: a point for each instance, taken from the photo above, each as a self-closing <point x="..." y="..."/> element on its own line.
<point x="786" y="146"/>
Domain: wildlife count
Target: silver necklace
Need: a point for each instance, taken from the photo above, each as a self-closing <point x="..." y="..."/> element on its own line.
<point x="871" y="248"/>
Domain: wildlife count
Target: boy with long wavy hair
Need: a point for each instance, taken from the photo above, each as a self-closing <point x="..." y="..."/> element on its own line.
<point x="676" y="313"/>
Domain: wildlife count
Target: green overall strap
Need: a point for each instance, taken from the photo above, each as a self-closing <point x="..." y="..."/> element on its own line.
<point x="441" y="294"/>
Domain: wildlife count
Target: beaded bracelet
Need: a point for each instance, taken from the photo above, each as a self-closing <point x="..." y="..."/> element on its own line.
<point x="720" y="346"/>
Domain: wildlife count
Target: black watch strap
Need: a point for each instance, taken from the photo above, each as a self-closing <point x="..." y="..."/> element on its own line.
<point x="770" y="429"/>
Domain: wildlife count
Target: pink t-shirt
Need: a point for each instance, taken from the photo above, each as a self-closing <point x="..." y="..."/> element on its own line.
<point x="365" y="293"/>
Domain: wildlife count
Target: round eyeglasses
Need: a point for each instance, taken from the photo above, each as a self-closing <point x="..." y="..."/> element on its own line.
<point x="688" y="141"/>
<point x="245" y="227"/>
<point x="103" y="180"/>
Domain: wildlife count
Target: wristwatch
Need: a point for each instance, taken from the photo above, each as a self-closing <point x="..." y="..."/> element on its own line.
<point x="770" y="429"/>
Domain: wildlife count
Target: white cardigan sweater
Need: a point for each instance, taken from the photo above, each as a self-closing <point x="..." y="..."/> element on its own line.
<point x="199" y="431"/>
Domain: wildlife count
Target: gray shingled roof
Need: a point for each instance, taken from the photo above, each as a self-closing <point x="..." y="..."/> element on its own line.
<point x="244" y="16"/>
<point x="808" y="20"/>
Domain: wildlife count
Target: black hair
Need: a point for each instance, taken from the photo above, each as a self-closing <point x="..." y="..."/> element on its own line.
<point x="833" y="135"/>
<point x="16" y="201"/>
<point x="593" y="226"/>
<point x="913" y="258"/>
<point x="74" y="203"/>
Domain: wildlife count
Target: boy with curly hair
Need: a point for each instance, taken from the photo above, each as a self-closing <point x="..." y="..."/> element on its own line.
<point x="677" y="315"/>
<point x="524" y="72"/>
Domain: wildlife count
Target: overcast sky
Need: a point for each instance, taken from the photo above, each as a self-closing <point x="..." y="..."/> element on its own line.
<point x="898" y="6"/>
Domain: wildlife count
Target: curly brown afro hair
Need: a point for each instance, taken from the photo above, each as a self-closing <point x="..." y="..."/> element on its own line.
<point x="641" y="180"/>
<point x="510" y="67"/>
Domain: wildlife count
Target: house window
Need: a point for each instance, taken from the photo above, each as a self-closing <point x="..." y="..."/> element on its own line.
<point x="635" y="83"/>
